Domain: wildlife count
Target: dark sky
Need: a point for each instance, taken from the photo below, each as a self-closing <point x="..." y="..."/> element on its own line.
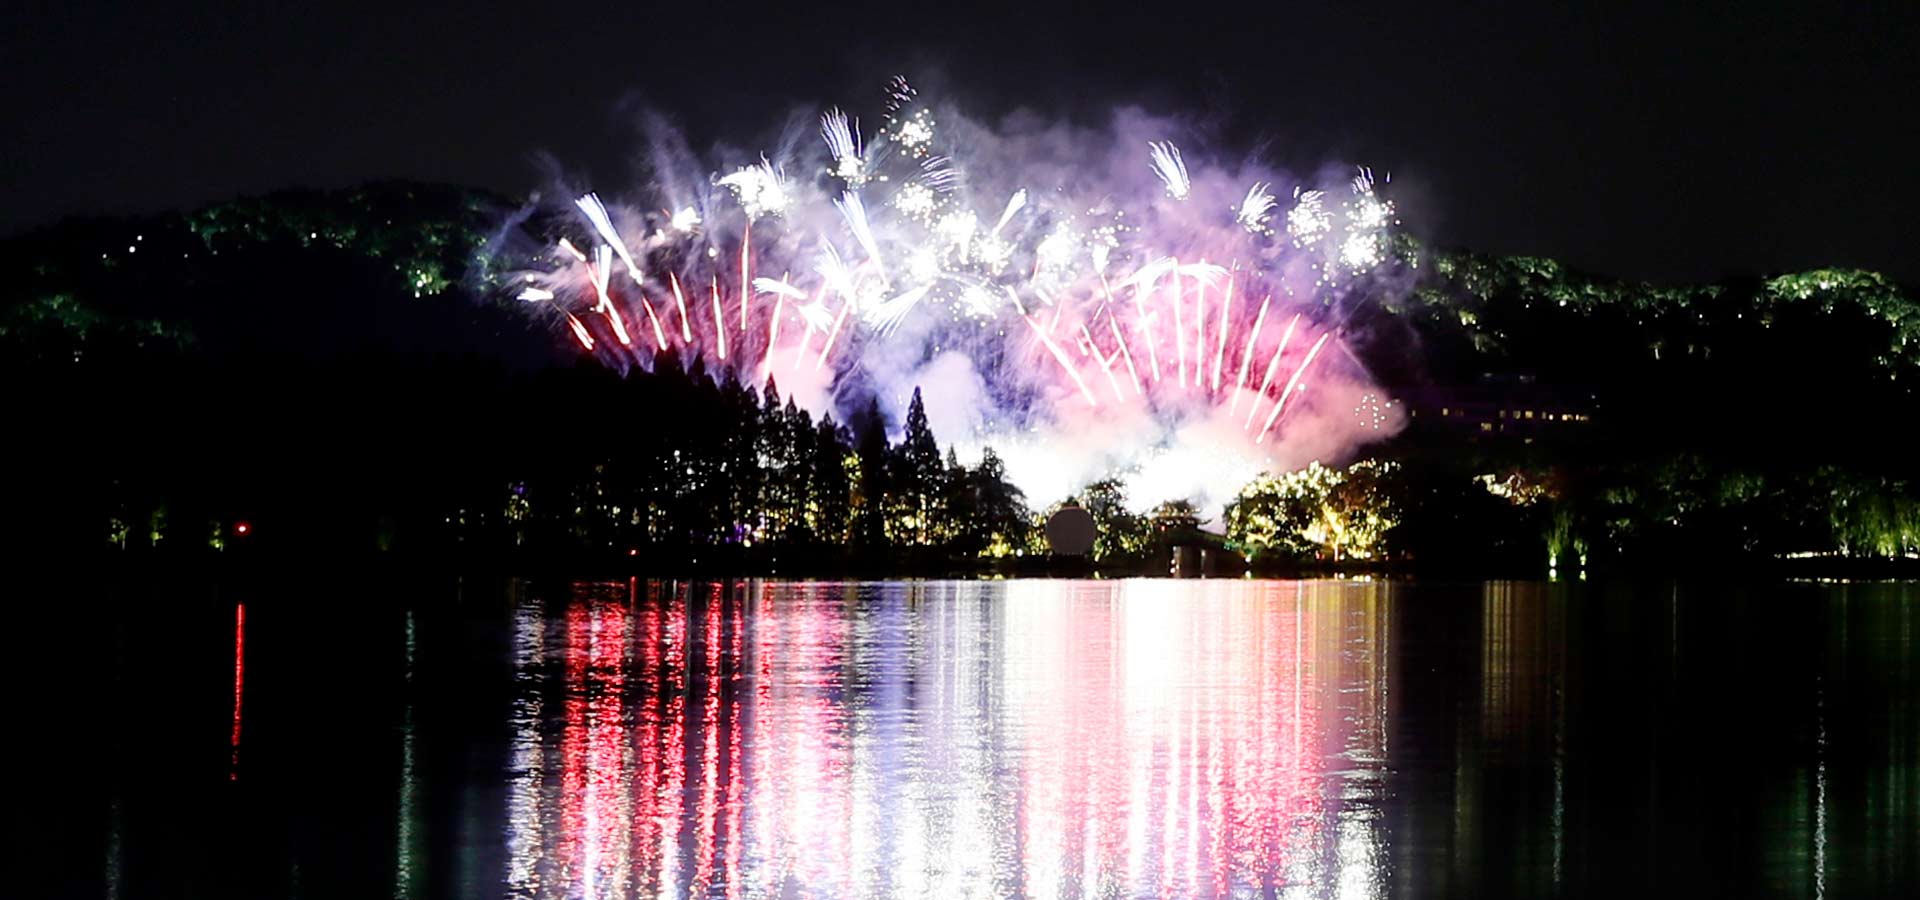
<point x="1671" y="140"/>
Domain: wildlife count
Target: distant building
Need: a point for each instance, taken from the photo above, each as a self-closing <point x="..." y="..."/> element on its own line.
<point x="1190" y="551"/>
<point x="1504" y="406"/>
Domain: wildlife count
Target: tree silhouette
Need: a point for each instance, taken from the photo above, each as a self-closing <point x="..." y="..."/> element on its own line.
<point x="917" y="477"/>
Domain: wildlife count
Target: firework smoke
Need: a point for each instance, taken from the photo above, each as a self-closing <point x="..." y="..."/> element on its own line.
<point x="1090" y="302"/>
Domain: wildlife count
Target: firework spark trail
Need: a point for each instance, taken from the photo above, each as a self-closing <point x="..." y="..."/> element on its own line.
<point x="1107" y="291"/>
<point x="843" y="142"/>
<point x="599" y="272"/>
<point x="1292" y="383"/>
<point x="815" y="313"/>
<point x="1061" y="358"/>
<point x="1254" y="209"/>
<point x="680" y="300"/>
<point x="1015" y="298"/>
<point x="779" y="286"/>
<point x="580" y="332"/>
<point x="619" y="323"/>
<point x="1143" y="320"/>
<point x="887" y="316"/>
<point x="1179" y="329"/>
<point x="1170" y="168"/>
<point x="596" y="213"/>
<point x="855" y="213"/>
<point x="780" y="290"/>
<point x="1246" y="356"/>
<point x="833" y="272"/>
<point x="746" y="280"/>
<point x="1125" y="354"/>
<point x="1204" y="276"/>
<point x="1015" y="203"/>
<point x="800" y="349"/>
<point x="1272" y="366"/>
<point x="719" y="320"/>
<point x="1199" y="333"/>
<point x="834" y="333"/>
<point x="659" y="334"/>
<point x="1106" y="363"/>
<point x="1220" y="348"/>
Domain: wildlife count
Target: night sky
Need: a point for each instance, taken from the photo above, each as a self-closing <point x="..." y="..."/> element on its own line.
<point x="1674" y="141"/>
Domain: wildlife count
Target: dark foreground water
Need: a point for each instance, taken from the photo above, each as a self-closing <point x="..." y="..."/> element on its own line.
<point x="946" y="740"/>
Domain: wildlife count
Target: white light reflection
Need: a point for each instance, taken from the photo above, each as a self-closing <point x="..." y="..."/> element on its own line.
<point x="1042" y="739"/>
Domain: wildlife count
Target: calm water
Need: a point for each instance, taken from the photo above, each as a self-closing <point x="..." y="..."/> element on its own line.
<point x="1042" y="738"/>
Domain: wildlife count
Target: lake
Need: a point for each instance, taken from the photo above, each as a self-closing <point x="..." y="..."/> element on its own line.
<point x="1143" y="738"/>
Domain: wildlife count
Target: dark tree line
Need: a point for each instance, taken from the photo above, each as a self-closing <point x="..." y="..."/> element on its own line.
<point x="676" y="461"/>
<point x="460" y="458"/>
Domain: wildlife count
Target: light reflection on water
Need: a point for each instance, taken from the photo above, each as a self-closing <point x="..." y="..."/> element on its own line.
<point x="985" y="739"/>
<point x="951" y="740"/>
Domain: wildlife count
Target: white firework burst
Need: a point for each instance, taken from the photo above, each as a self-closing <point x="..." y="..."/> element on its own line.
<point x="1255" y="209"/>
<point x="1308" y="219"/>
<point x="843" y="143"/>
<point x="761" y="189"/>
<point x="1172" y="170"/>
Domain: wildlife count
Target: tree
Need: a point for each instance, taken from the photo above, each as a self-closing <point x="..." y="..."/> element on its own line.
<point x="1315" y="511"/>
<point x="1119" y="533"/>
<point x="832" y="482"/>
<point x="1000" y="509"/>
<point x="871" y="487"/>
<point x="916" y="479"/>
<point x="772" y="452"/>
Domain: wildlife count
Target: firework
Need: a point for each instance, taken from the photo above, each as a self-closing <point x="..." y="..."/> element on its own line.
<point x="761" y="189"/>
<point x="843" y="143"/>
<point x="1246" y="356"/>
<point x="1308" y="219"/>
<point x="951" y="246"/>
<point x="1254" y="210"/>
<point x="1293" y="383"/>
<point x="1273" y="366"/>
<point x="596" y="213"/>
<point x="855" y="213"/>
<point x="680" y="300"/>
<point x="719" y="321"/>
<point x="1170" y="168"/>
<point x="1015" y="203"/>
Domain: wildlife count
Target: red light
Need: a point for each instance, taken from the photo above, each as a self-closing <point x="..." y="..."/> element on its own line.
<point x="242" y="528"/>
<point x="633" y="553"/>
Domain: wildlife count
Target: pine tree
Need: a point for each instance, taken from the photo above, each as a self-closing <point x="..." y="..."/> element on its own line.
<point x="740" y="468"/>
<point x="1002" y="508"/>
<point x="771" y="524"/>
<point x="796" y="428"/>
<point x="831" y="487"/>
<point x="917" y="475"/>
<point x="960" y="510"/>
<point x="870" y="498"/>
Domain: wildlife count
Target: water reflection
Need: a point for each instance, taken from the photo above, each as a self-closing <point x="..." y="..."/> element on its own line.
<point x="1046" y="739"/>
<point x="951" y="740"/>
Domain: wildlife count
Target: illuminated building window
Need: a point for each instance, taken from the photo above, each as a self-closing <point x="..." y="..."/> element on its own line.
<point x="1486" y="426"/>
